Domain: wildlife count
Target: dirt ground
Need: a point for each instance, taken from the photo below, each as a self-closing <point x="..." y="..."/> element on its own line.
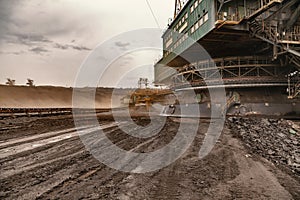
<point x="43" y="158"/>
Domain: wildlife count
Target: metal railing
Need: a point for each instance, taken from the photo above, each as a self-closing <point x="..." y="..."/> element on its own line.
<point x="237" y="70"/>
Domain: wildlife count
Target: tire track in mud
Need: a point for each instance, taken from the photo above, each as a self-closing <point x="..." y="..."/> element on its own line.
<point x="14" y="142"/>
<point x="29" y="168"/>
<point x="32" y="162"/>
<point x="166" y="182"/>
<point x="108" y="179"/>
<point x="33" y="142"/>
<point x="35" y="180"/>
<point x="186" y="178"/>
<point x="66" y="170"/>
<point x="109" y="174"/>
<point x="25" y="164"/>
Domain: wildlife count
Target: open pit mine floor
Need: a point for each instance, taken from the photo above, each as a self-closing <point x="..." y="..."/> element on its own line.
<point x="44" y="158"/>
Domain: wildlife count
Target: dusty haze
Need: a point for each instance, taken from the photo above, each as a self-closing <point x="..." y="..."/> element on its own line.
<point x="54" y="97"/>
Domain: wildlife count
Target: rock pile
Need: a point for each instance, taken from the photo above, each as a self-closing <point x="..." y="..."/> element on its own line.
<point x="278" y="140"/>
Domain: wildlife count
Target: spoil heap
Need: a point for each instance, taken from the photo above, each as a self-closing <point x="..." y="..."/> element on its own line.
<point x="277" y="140"/>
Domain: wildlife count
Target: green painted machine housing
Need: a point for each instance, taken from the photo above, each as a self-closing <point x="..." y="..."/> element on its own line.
<point x="195" y="20"/>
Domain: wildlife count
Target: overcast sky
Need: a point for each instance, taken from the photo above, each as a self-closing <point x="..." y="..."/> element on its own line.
<point x="47" y="40"/>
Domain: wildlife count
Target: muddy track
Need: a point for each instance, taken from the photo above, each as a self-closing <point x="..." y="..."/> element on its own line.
<point x="64" y="169"/>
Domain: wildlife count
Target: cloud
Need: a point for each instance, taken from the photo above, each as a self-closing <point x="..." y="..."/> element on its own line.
<point x="61" y="46"/>
<point x="12" y="52"/>
<point x="80" y="48"/>
<point x="29" y="39"/>
<point x="62" y="32"/>
<point x="9" y="24"/>
<point x="122" y="44"/>
<point x="22" y="24"/>
<point x="38" y="50"/>
<point x="71" y="46"/>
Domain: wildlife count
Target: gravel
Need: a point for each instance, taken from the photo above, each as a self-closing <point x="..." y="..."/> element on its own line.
<point x="277" y="140"/>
